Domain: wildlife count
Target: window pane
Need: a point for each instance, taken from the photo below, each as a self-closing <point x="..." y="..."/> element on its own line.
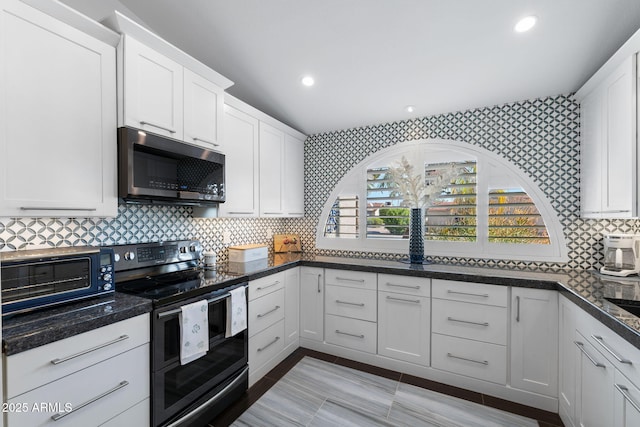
<point x="514" y="218"/>
<point x="386" y="218"/>
<point x="451" y="214"/>
<point x="343" y="218"/>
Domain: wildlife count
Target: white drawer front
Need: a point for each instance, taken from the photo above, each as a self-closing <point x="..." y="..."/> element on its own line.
<point x="470" y="292"/>
<point x="352" y="279"/>
<point x="404" y="285"/>
<point x="107" y="388"/>
<point x="265" y="345"/>
<point x="266" y="285"/>
<point x="35" y="367"/>
<point x="265" y="311"/>
<point x="352" y="333"/>
<point x="473" y="359"/>
<point x="137" y="415"/>
<point x="351" y="302"/>
<point x="473" y="321"/>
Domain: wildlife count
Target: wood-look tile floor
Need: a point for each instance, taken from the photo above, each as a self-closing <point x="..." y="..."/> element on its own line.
<point x="316" y="389"/>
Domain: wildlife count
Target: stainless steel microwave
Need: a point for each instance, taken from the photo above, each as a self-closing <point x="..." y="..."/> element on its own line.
<point x="157" y="169"/>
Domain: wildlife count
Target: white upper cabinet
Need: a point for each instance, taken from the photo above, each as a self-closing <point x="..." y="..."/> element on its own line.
<point x="609" y="145"/>
<point x="203" y="112"/>
<point x="57" y="115"/>
<point x="271" y="171"/>
<point x="293" y="176"/>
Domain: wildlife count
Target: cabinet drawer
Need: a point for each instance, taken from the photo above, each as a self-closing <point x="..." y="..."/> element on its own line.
<point x="473" y="359"/>
<point x="473" y="321"/>
<point x="351" y="279"/>
<point x="470" y="292"/>
<point x="42" y="365"/>
<point x="265" y="285"/>
<point x="265" y="345"/>
<point x="351" y="302"/>
<point x="352" y="333"/>
<point x="107" y="388"/>
<point x="137" y="415"/>
<point x="265" y="311"/>
<point x="404" y="284"/>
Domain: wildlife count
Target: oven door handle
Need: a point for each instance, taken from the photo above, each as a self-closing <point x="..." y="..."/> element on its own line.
<point x="215" y="398"/>
<point x="178" y="310"/>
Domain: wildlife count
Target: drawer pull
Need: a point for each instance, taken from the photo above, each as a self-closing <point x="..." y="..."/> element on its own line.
<point x="195" y="138"/>
<point x="346" y="279"/>
<point x="451" y="319"/>
<point x="319" y="288"/>
<point x="517" y="308"/>
<point x="595" y="363"/>
<point x="402" y="286"/>
<point x="269" y="345"/>
<point x="625" y="392"/>
<point x="416" y="301"/>
<point x="449" y="291"/>
<point x="142" y="122"/>
<point x="45" y="208"/>
<point x="89" y="350"/>
<point x="359" y="304"/>
<point x="611" y="352"/>
<point x="481" y="362"/>
<point x="259" y="288"/>
<point x="347" y="333"/>
<point x="60" y="415"/>
<point x="268" y="312"/>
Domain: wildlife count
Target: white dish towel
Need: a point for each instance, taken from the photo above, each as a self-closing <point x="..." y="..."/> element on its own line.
<point x="236" y="311"/>
<point x="194" y="331"/>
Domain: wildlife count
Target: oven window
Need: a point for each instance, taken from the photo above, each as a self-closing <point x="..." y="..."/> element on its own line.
<point x="26" y="281"/>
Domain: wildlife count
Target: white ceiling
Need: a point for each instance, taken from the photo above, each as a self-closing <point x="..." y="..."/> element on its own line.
<point x="371" y="58"/>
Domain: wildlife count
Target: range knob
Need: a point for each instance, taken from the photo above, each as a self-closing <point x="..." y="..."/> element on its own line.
<point x="107" y="277"/>
<point x="107" y="286"/>
<point x="129" y="256"/>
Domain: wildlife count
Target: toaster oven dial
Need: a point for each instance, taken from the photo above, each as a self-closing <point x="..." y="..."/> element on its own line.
<point x="107" y="286"/>
<point x="107" y="277"/>
<point x="129" y="256"/>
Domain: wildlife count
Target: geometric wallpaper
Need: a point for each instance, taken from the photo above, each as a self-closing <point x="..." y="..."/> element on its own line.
<point x="540" y="136"/>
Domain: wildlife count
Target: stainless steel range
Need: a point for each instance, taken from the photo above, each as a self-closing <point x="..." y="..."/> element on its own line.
<point x="171" y="275"/>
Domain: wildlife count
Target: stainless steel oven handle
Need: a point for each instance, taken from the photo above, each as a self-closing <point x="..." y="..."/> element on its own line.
<point x="209" y="402"/>
<point x="60" y="415"/>
<point x="89" y="350"/>
<point x="178" y="310"/>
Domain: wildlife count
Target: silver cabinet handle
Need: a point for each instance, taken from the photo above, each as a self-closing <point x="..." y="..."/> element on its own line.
<point x="60" y="415"/>
<point x="481" y="362"/>
<point x="449" y="291"/>
<point x="241" y="212"/>
<point x="416" y="301"/>
<point x="272" y="213"/>
<point x="625" y="392"/>
<point x="359" y="304"/>
<point x="517" y="309"/>
<point x="259" y="288"/>
<point x="346" y="279"/>
<point x="195" y="138"/>
<point x="347" y="333"/>
<point x="402" y="286"/>
<point x="269" y="345"/>
<point x="451" y="319"/>
<point x="44" y="208"/>
<point x="604" y="212"/>
<point x="268" y="312"/>
<point x="89" y="350"/>
<point x="595" y="363"/>
<point x="610" y="351"/>
<point x="142" y="122"/>
<point x="319" y="277"/>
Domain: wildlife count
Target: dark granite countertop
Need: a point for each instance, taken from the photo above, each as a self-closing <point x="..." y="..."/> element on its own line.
<point x="588" y="290"/>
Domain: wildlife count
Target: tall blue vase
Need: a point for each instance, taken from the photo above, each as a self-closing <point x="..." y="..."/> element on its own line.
<point x="416" y="236"/>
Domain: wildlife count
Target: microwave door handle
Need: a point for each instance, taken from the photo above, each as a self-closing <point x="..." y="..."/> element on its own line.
<point x="178" y="310"/>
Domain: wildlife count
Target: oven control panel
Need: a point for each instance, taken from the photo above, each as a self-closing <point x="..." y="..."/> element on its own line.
<point x="140" y="255"/>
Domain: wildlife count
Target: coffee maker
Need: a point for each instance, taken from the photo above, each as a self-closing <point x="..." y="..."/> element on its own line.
<point x="621" y="254"/>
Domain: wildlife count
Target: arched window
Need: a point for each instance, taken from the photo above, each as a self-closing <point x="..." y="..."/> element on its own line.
<point x="478" y="205"/>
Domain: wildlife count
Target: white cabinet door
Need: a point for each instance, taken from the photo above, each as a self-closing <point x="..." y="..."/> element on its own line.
<point x="626" y="402"/>
<point x="608" y="146"/>
<point x="534" y="340"/>
<point x="241" y="132"/>
<point x="271" y="170"/>
<point x="404" y="327"/>
<point x="291" y="305"/>
<point x="203" y="112"/>
<point x="153" y="90"/>
<point x="567" y="361"/>
<point x="595" y="376"/>
<point x="311" y="303"/>
<point x="293" y="176"/>
<point x="58" y="121"/>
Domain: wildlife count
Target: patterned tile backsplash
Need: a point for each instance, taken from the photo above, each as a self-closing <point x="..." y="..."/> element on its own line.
<point x="540" y="136"/>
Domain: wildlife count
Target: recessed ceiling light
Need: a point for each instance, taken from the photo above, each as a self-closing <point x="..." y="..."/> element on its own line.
<point x="308" y="81"/>
<point x="525" y="24"/>
<point x="409" y="108"/>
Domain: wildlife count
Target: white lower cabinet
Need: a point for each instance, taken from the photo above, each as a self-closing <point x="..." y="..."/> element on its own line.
<point x="137" y="415"/>
<point x="312" y="303"/>
<point x="263" y="348"/>
<point x="595" y="376"/>
<point x="292" y="306"/>
<point x="355" y="334"/>
<point x="567" y="357"/>
<point x="626" y="402"/>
